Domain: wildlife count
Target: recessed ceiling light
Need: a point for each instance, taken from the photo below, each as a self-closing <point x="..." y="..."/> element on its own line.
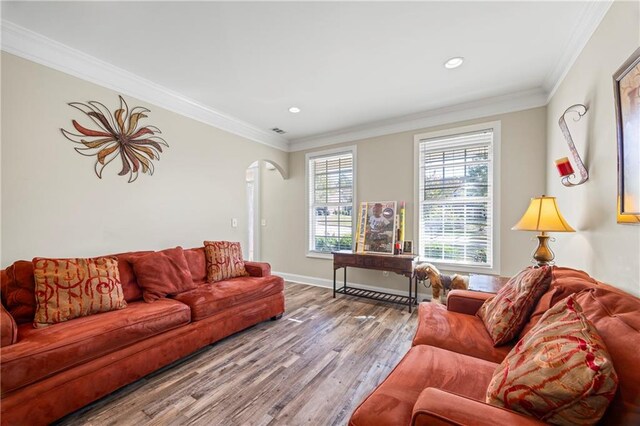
<point x="294" y="110"/>
<point x="454" y="62"/>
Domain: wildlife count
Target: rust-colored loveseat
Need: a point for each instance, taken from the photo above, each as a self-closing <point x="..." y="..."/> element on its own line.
<point x="443" y="378"/>
<point x="49" y="372"/>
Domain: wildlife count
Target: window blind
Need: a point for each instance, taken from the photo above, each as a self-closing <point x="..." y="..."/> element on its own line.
<point x="455" y="199"/>
<point x="331" y="202"/>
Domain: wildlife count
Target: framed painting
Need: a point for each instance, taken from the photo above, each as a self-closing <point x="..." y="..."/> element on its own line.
<point x="626" y="87"/>
<point x="377" y="226"/>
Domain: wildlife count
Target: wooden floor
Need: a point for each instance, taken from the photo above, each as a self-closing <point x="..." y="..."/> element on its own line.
<point x="313" y="366"/>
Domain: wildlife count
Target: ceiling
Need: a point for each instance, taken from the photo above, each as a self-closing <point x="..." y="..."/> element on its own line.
<point x="349" y="65"/>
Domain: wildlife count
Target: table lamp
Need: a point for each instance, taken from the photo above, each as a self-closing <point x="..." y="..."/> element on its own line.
<point x="543" y="216"/>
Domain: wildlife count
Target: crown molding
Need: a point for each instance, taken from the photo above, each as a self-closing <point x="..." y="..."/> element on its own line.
<point x="461" y="112"/>
<point x="586" y="25"/>
<point x="35" y="47"/>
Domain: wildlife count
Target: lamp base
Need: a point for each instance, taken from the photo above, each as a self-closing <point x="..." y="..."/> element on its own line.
<point x="543" y="254"/>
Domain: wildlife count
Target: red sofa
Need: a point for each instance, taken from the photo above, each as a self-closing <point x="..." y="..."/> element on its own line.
<point x="49" y="372"/>
<point x="443" y="378"/>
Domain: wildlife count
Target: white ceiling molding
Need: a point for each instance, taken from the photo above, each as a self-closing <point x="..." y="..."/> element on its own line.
<point x="468" y="111"/>
<point x="35" y="47"/>
<point x="586" y="25"/>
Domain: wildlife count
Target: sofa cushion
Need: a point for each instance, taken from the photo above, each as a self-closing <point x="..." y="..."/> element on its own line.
<point x="210" y="299"/>
<point x="8" y="328"/>
<point x="224" y="260"/>
<point x="162" y="273"/>
<point x="560" y="372"/>
<point x="130" y="287"/>
<point x="18" y="286"/>
<point x="18" y="291"/>
<point x="457" y="332"/>
<point x="46" y="351"/>
<point x="616" y="316"/>
<point x="197" y="261"/>
<point x="422" y="367"/>
<point x="258" y="269"/>
<point x="438" y="407"/>
<point x="564" y="281"/>
<point x="507" y="313"/>
<point x="72" y="288"/>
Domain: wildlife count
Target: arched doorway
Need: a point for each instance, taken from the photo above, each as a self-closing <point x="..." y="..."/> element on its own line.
<point x="255" y="178"/>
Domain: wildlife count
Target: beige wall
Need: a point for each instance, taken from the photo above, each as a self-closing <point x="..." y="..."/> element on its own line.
<point x="607" y="250"/>
<point x="522" y="164"/>
<point x="54" y="205"/>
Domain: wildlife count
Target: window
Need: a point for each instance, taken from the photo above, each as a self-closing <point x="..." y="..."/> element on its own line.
<point x="330" y="182"/>
<point x="456" y="198"/>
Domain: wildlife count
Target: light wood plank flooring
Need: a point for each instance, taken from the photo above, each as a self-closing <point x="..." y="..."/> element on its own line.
<point x="313" y="366"/>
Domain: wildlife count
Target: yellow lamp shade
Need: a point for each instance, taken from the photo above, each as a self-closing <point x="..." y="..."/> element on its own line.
<point x="543" y="215"/>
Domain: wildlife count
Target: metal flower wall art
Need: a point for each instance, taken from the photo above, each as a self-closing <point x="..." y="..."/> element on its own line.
<point x="118" y="135"/>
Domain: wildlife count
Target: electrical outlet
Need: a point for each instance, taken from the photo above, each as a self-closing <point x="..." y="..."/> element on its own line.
<point x="234" y="223"/>
<point x="263" y="222"/>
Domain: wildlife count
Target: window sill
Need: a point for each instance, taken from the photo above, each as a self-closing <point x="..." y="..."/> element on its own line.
<point x="318" y="255"/>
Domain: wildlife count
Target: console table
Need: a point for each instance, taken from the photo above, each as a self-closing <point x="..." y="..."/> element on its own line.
<point x="402" y="264"/>
<point x="486" y="283"/>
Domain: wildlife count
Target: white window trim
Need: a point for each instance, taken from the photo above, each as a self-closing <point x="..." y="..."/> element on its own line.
<point x="307" y="233"/>
<point x="495" y="168"/>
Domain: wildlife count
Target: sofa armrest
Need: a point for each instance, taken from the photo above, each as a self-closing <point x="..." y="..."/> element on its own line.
<point x="438" y="407"/>
<point x="466" y="301"/>
<point x="258" y="269"/>
<point x="8" y="328"/>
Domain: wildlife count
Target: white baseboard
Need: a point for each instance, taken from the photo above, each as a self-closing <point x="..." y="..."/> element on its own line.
<point x="326" y="283"/>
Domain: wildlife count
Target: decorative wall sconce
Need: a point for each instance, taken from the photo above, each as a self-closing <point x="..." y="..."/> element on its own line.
<point x="563" y="164"/>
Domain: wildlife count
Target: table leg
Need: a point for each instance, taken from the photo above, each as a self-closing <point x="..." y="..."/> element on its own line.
<point x="410" y="298"/>
<point x="415" y="281"/>
<point x="344" y="283"/>
<point x="334" y="283"/>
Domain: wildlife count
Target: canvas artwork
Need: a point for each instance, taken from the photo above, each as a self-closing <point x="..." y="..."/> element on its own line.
<point x="627" y="91"/>
<point x="378" y="226"/>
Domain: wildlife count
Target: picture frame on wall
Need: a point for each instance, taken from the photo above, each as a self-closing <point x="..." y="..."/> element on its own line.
<point x="377" y="227"/>
<point x="626" y="88"/>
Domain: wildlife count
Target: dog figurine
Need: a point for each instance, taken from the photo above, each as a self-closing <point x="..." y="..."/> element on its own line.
<point x="440" y="282"/>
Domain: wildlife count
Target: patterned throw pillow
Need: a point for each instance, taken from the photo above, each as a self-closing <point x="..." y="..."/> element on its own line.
<point x="71" y="288"/>
<point x="224" y="260"/>
<point x="560" y="372"/>
<point x="505" y="314"/>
